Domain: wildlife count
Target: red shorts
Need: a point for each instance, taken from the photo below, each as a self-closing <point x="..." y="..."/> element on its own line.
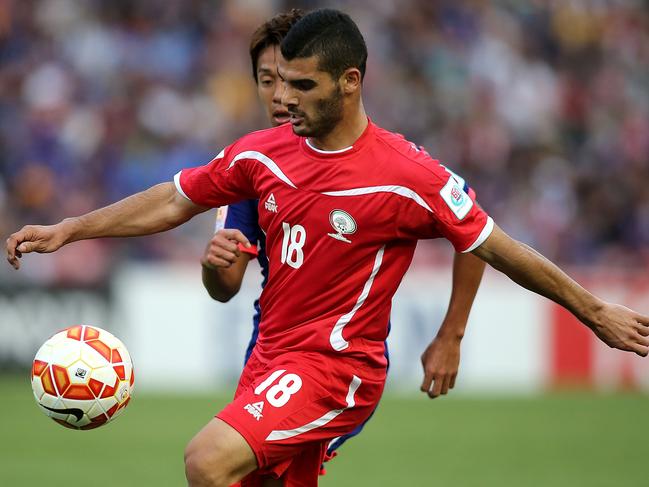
<point x="291" y="407"/>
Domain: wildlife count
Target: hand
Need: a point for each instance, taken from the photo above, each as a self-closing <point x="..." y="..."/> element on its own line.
<point x="440" y="361"/>
<point x="622" y="328"/>
<point x="35" y="238"/>
<point x="223" y="249"/>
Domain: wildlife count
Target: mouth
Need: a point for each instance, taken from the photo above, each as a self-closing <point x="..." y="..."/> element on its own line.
<point x="281" y="117"/>
<point x="296" y="119"/>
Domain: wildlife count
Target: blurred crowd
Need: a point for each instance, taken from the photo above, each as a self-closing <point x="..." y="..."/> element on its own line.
<point x="543" y="106"/>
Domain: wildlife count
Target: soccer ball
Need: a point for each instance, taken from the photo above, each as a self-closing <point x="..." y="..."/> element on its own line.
<point x="82" y="377"/>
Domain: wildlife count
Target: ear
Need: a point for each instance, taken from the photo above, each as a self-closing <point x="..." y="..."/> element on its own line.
<point x="351" y="81"/>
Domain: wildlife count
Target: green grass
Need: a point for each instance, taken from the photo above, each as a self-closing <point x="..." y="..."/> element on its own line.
<point x="559" y="440"/>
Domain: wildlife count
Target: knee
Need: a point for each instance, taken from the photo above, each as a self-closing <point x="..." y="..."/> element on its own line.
<point x="204" y="469"/>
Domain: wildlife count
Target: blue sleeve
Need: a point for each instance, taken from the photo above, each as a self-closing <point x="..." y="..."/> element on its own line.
<point x="243" y="216"/>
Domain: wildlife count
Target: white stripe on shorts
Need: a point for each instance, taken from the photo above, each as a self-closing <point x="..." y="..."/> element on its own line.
<point x="276" y="435"/>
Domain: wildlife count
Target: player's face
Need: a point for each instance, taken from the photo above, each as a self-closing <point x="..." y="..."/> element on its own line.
<point x="269" y="87"/>
<point x="313" y="99"/>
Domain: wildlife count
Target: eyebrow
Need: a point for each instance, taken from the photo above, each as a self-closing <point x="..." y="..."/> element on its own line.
<point x="297" y="82"/>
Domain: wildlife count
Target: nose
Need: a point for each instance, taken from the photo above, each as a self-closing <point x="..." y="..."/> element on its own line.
<point x="287" y="95"/>
<point x="277" y="93"/>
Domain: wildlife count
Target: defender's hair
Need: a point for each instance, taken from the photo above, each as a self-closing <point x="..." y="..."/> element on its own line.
<point x="271" y="33"/>
<point x="332" y="36"/>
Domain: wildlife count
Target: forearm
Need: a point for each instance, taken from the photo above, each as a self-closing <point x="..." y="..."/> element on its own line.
<point x="157" y="209"/>
<point x="223" y="283"/>
<point x="219" y="284"/>
<point x="467" y="275"/>
<point x="528" y="268"/>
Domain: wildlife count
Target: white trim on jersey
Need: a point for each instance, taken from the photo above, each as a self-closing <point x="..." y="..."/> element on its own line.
<point x="266" y="161"/>
<point x="178" y="187"/>
<point x="486" y="231"/>
<point x="339" y="151"/>
<point x="276" y="435"/>
<point x="336" y="338"/>
<point x="400" y="190"/>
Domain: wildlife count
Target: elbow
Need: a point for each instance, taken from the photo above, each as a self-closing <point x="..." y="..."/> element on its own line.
<point x="221" y="297"/>
<point x="222" y="294"/>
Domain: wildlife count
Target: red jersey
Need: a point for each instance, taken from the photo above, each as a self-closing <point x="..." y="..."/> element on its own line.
<point x="341" y="230"/>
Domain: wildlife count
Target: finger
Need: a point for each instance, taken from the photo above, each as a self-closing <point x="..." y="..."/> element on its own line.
<point x="640" y="339"/>
<point x="446" y="381"/>
<point x="642" y="320"/>
<point x="425" y="385"/>
<point x="642" y="329"/>
<point x="220" y="253"/>
<point x="26" y="247"/>
<point x="452" y="382"/>
<point x="12" y="253"/>
<point x="436" y="389"/>
<point x="236" y="235"/>
<point x="220" y="241"/>
<point x="641" y="350"/>
<point x="218" y="262"/>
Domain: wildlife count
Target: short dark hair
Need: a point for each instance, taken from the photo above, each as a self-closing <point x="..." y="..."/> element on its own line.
<point x="271" y="33"/>
<point x="331" y="35"/>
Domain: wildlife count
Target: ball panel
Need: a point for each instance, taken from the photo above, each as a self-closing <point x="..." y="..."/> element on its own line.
<point x="79" y="372"/>
<point x="79" y="391"/>
<point x="115" y="356"/>
<point x="91" y="333"/>
<point x="48" y="382"/>
<point x="61" y="379"/>
<point x="38" y="367"/>
<point x="75" y="332"/>
<point x="65" y="353"/>
<point x="103" y="349"/>
<point x="37" y="388"/>
<point x="96" y="387"/>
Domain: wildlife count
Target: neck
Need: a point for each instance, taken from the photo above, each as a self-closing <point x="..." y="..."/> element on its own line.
<point x="345" y="133"/>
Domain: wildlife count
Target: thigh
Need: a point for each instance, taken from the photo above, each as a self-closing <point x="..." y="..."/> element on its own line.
<point x="299" y="401"/>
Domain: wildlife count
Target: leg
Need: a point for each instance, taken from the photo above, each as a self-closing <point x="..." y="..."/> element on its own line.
<point x="218" y="456"/>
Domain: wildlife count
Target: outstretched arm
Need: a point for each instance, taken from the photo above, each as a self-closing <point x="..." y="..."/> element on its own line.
<point x="617" y="326"/>
<point x="441" y="359"/>
<point x="157" y="209"/>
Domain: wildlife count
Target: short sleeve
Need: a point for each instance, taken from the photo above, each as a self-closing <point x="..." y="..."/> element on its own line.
<point x="218" y="183"/>
<point x="447" y="208"/>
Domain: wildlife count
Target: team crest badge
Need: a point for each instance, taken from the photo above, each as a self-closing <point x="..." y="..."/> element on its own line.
<point x="343" y="223"/>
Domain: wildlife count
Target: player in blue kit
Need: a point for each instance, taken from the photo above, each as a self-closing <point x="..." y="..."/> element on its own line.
<point x="224" y="262"/>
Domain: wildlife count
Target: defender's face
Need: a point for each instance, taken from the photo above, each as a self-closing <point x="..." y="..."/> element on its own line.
<point x="313" y="99"/>
<point x="269" y="87"/>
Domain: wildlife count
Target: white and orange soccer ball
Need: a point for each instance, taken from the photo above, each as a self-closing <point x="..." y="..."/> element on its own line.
<point x="82" y="377"/>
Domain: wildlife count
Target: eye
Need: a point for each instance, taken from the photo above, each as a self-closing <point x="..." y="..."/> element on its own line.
<point x="304" y="85"/>
<point x="266" y="82"/>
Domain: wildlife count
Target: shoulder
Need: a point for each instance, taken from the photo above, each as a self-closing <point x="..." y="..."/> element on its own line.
<point x="406" y="157"/>
<point x="262" y="141"/>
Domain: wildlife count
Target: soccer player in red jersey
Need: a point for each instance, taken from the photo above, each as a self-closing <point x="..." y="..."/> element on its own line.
<point x="350" y="200"/>
<point x="223" y="270"/>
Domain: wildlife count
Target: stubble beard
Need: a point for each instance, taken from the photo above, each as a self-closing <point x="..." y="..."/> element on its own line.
<point x="329" y="114"/>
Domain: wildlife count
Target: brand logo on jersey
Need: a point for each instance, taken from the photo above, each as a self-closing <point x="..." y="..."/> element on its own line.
<point x="255" y="409"/>
<point x="270" y="203"/>
<point x="343" y="223"/>
<point x="457" y="200"/>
